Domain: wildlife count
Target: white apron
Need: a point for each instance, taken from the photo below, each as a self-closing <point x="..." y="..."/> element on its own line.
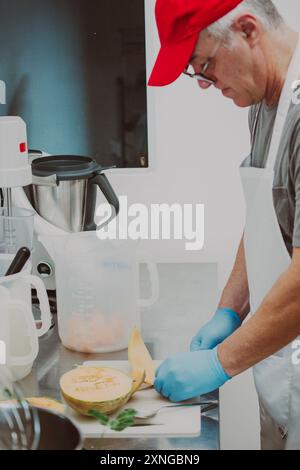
<point x="267" y="258"/>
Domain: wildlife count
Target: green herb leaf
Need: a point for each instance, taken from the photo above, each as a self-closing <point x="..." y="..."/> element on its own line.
<point x="128" y="413"/>
<point x="101" y="417"/>
<point x="122" y="421"/>
<point x="127" y="421"/>
<point x="117" y="425"/>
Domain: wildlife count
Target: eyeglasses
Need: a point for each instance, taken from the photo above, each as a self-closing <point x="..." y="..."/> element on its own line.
<point x="201" y="75"/>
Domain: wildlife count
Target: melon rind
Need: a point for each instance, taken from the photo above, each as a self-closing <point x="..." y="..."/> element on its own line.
<point x="106" y="407"/>
<point x="140" y="358"/>
<point x="138" y="377"/>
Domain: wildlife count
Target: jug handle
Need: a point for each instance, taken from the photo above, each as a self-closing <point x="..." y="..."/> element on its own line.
<point x="42" y="296"/>
<point x="103" y="184"/>
<point x="30" y="357"/>
<point x="154" y="279"/>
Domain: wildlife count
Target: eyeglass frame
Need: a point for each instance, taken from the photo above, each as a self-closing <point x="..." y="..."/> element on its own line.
<point x="200" y="75"/>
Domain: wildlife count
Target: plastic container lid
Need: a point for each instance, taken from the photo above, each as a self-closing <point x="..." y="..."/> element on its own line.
<point x="66" y="167"/>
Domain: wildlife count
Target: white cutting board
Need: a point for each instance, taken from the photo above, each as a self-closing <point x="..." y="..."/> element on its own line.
<point x="172" y="422"/>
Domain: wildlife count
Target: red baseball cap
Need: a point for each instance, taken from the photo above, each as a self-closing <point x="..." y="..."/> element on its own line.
<point x="179" y="23"/>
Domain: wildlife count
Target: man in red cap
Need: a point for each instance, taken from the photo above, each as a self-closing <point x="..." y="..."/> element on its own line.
<point x="246" y="50"/>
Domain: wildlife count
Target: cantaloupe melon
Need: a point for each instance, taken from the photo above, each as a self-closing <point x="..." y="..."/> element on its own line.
<point x="98" y="388"/>
<point x="139" y="358"/>
<point x="48" y="403"/>
<point x="40" y="402"/>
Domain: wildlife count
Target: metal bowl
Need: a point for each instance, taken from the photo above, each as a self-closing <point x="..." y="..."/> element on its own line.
<point x="55" y="431"/>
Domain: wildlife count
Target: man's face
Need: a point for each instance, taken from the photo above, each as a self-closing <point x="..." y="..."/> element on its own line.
<point x="238" y="71"/>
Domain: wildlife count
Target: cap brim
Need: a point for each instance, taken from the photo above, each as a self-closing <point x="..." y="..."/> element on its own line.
<point x="171" y="61"/>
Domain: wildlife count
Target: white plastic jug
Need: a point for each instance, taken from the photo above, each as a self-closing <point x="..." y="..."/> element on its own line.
<point x="18" y="338"/>
<point x="97" y="286"/>
<point x="20" y="286"/>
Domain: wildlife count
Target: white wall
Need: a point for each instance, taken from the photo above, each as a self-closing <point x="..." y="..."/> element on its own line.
<point x="197" y="140"/>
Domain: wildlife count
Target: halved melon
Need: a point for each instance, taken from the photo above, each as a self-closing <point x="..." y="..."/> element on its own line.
<point x="98" y="388"/>
<point x="139" y="358"/>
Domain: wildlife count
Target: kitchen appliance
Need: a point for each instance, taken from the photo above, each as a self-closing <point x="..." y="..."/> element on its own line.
<point x="15" y="171"/>
<point x="98" y="299"/>
<point x="64" y="191"/>
<point x="63" y="196"/>
<point x="17" y="222"/>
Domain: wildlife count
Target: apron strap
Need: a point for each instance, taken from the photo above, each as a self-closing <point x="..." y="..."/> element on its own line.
<point x="283" y="108"/>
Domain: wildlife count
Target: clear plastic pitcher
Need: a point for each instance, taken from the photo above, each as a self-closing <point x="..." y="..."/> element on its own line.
<point x="97" y="285"/>
<point x="20" y="286"/>
<point x="20" y="324"/>
<point x="18" y="338"/>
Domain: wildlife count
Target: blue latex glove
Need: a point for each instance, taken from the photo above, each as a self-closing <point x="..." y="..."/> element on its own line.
<point x="187" y="375"/>
<point x="223" y="324"/>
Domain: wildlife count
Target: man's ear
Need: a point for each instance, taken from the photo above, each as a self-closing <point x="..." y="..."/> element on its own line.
<point x="249" y="27"/>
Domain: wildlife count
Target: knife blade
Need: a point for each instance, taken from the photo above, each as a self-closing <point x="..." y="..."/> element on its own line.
<point x="141" y="425"/>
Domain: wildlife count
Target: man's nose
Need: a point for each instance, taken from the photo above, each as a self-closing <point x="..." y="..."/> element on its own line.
<point x="204" y="85"/>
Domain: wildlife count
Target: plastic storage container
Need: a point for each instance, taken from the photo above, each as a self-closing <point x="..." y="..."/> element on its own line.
<point x="97" y="286"/>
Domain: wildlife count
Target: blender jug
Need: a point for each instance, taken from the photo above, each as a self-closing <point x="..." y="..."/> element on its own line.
<point x="64" y="191"/>
<point x="97" y="290"/>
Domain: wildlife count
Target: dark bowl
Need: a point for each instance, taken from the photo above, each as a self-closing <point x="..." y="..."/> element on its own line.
<point x="56" y="431"/>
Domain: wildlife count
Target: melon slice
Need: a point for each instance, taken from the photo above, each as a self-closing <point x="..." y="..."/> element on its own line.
<point x="139" y="358"/>
<point x="138" y="377"/>
<point x="40" y="402"/>
<point x="98" y="388"/>
<point x="48" y="403"/>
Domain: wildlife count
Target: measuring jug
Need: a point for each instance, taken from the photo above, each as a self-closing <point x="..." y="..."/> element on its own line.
<point x="22" y="328"/>
<point x="97" y="286"/>
<point x="18" y="338"/>
<point x="19" y="286"/>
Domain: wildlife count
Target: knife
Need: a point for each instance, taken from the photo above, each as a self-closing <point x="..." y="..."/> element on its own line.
<point x="141" y="425"/>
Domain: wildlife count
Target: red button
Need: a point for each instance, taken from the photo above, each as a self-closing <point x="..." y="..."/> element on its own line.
<point x="23" y="147"/>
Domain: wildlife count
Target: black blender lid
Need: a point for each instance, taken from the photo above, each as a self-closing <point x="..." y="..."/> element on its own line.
<point x="66" y="167"/>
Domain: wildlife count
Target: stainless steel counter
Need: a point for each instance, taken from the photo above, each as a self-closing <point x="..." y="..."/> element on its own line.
<point x="187" y="295"/>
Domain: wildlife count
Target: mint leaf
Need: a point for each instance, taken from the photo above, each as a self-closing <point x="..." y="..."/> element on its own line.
<point x="117" y="425"/>
<point x="122" y="421"/>
<point x="101" y="417"/>
<point x="128" y="421"/>
<point x="128" y="413"/>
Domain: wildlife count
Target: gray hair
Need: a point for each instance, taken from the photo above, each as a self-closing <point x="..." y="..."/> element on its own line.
<point x="264" y="10"/>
